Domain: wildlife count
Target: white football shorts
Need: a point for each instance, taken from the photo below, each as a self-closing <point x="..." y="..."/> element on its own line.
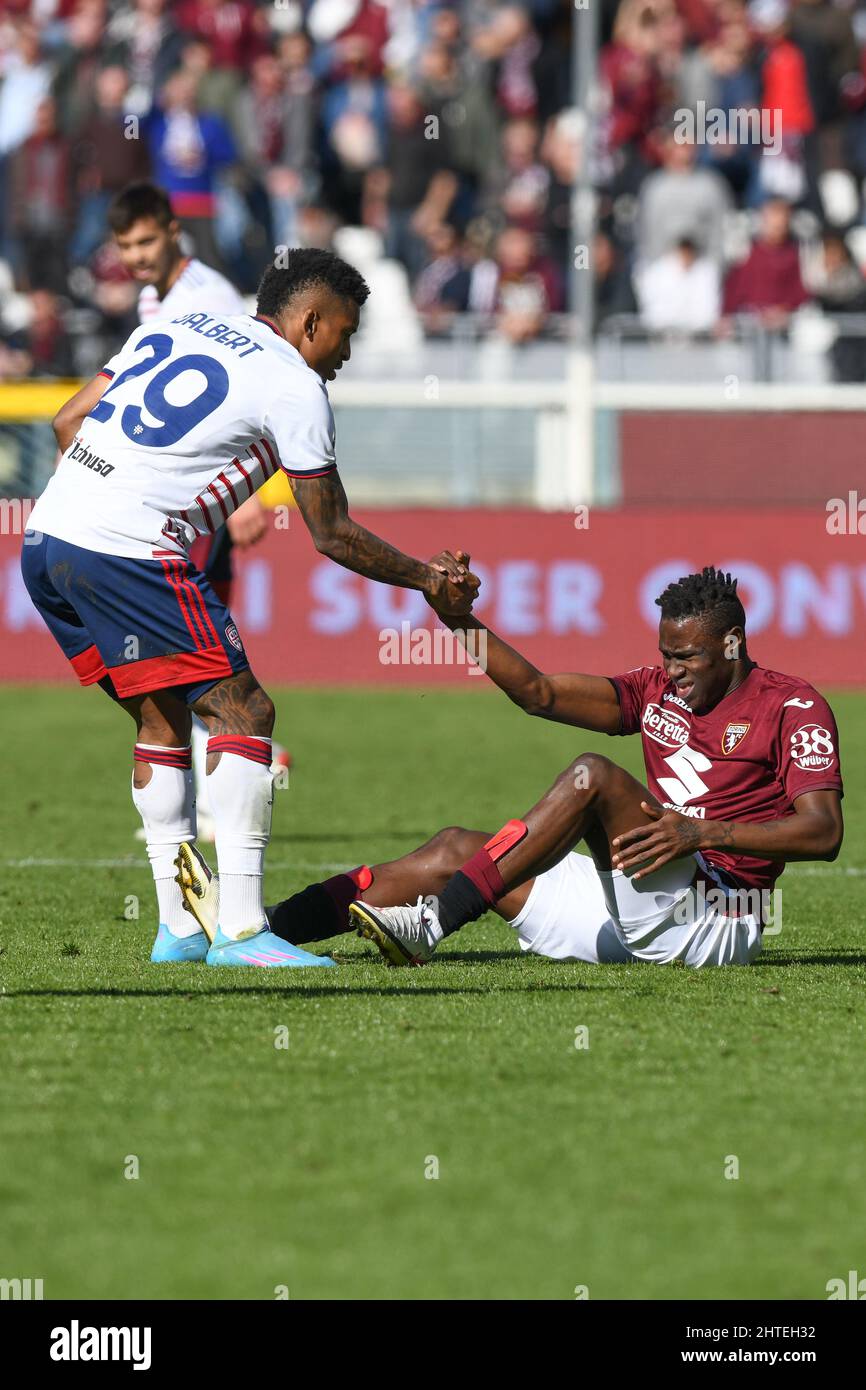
<point x="577" y="912"/>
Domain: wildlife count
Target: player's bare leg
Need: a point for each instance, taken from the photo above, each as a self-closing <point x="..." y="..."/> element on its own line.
<point x="239" y="717"/>
<point x="562" y="817"/>
<point x="593" y="800"/>
<point x="611" y="803"/>
<point x="321" y="910"/>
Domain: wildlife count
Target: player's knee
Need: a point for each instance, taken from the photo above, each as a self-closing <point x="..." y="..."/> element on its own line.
<point x="454" y="845"/>
<point x="237" y="705"/>
<point x="588" y="772"/>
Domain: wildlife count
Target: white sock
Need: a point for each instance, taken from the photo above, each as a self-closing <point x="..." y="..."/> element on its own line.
<point x="241" y="796"/>
<point x="167" y="809"/>
<point x="199" y="738"/>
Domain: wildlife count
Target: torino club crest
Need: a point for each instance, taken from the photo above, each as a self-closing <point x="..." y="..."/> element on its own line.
<point x="734" y="735"/>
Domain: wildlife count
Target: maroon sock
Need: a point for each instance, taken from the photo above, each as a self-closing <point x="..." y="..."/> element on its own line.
<point x="482" y="871"/>
<point x="481" y="868"/>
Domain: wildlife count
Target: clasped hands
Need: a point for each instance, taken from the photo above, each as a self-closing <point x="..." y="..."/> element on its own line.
<point x="453" y="587"/>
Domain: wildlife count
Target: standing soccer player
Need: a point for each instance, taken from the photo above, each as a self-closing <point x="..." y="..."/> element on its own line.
<point x="147" y="237"/>
<point x="180" y="428"/>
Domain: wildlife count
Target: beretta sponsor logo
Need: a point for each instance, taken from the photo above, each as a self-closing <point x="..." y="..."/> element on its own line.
<point x="665" y="726"/>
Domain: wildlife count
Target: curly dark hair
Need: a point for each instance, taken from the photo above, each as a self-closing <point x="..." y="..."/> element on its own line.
<point x="711" y="595"/>
<point x="304" y="268"/>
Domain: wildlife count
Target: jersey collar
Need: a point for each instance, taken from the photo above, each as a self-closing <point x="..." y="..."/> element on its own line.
<point x="263" y="318"/>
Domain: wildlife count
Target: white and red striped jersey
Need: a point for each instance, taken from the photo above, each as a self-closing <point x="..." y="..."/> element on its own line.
<point x="200" y="412"/>
<point x="197" y="286"/>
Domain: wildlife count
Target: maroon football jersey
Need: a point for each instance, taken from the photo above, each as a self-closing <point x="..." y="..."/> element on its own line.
<point x="747" y="759"/>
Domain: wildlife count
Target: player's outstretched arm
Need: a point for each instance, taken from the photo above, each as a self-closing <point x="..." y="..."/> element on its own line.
<point x="814" y="831"/>
<point x="323" y="505"/>
<point x="587" y="702"/>
<point x="68" y="420"/>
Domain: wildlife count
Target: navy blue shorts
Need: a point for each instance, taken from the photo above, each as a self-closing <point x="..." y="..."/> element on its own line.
<point x="145" y="624"/>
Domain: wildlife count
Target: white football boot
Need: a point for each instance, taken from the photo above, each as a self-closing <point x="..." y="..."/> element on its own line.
<point x="405" y="935"/>
<point x="200" y="888"/>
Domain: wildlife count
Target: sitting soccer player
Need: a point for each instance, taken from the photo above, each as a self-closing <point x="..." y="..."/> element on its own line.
<point x="743" y="774"/>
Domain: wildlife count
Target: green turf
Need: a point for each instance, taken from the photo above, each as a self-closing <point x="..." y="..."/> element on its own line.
<point x="305" y="1167"/>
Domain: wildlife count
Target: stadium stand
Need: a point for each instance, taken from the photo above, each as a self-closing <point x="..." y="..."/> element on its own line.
<point x="445" y="131"/>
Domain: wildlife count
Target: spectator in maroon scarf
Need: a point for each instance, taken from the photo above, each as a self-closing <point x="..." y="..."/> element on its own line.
<point x="338" y="27"/>
<point x="629" y="70"/>
<point x="768" y="282"/>
<point x="235" y="29"/>
<point x="420" y="183"/>
<point x="529" y="286"/>
<point x="274" y="123"/>
<point x="509" y="42"/>
<point x="43" y="347"/>
<point x="442" y="288"/>
<point x="47" y="340"/>
<point x="519" y="182"/>
<point x="80" y="57"/>
<point x="143" y="38"/>
<point x="41" y="202"/>
<point x="105" y="160"/>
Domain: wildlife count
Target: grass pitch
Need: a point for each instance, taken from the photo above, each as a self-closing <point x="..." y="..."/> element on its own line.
<point x="310" y="1168"/>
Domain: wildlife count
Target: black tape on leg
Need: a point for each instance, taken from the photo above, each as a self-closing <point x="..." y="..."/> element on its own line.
<point x="306" y="916"/>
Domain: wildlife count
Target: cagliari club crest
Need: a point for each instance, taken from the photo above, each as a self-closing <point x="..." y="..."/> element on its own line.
<point x="734" y="735"/>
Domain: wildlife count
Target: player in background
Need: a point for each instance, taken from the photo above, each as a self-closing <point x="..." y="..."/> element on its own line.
<point x="147" y="236"/>
<point x="743" y="774"/>
<point x="184" y="424"/>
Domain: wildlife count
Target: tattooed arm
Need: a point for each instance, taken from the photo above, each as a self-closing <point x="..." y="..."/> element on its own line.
<point x="814" y="831"/>
<point x="323" y="505"/>
<point x="588" y="702"/>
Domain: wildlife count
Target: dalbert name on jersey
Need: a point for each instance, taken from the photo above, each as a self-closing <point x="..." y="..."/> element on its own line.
<point x="747" y="759"/>
<point x="200" y="412"/>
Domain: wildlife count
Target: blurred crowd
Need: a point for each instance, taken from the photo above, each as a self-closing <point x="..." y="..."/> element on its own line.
<point x="448" y="130"/>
